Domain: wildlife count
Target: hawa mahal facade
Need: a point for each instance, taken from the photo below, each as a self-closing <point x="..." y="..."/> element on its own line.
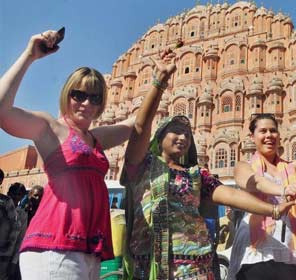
<point x="236" y="60"/>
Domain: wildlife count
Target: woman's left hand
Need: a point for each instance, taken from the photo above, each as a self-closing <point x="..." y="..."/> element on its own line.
<point x="290" y="190"/>
<point x="284" y="207"/>
<point x="164" y="65"/>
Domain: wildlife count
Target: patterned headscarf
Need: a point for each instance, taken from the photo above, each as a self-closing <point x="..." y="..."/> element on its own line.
<point x="190" y="159"/>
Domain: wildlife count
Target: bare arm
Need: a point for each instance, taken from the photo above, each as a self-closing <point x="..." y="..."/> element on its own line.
<point x="114" y="135"/>
<point x="140" y="136"/>
<point x="13" y="120"/>
<point x="245" y="201"/>
<point x="247" y="179"/>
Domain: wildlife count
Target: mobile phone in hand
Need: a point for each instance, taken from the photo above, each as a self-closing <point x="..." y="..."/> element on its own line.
<point x="61" y="35"/>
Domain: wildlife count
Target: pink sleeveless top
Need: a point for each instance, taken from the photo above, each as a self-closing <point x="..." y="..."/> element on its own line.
<point x="74" y="211"/>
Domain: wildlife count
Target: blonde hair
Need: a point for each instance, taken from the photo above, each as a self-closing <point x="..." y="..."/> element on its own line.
<point x="94" y="82"/>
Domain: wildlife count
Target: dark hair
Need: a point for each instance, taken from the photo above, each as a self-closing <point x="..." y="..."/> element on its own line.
<point x="164" y="128"/>
<point x="36" y="187"/>
<point x="17" y="189"/>
<point x="162" y="131"/>
<point x="256" y="117"/>
<point x="1" y="175"/>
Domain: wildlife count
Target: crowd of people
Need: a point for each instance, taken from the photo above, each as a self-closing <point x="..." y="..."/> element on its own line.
<point x="67" y="233"/>
<point x="16" y="210"/>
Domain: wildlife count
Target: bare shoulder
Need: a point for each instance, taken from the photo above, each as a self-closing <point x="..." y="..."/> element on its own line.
<point x="113" y="135"/>
<point x="54" y="135"/>
<point x="242" y="164"/>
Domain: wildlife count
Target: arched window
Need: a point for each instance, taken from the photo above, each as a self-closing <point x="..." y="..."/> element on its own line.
<point x="218" y="105"/>
<point x="238" y="103"/>
<point x="236" y="21"/>
<point x="232" y="55"/>
<point x="188" y="63"/>
<point x="243" y="54"/>
<point x="221" y="158"/>
<point x="146" y="76"/>
<point x="226" y="104"/>
<point x="294" y="151"/>
<point x="232" y="157"/>
<point x="179" y="109"/>
<point x="202" y="29"/>
<point x="190" y="109"/>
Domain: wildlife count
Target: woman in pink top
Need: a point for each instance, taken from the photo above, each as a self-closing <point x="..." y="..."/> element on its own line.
<point x="70" y="233"/>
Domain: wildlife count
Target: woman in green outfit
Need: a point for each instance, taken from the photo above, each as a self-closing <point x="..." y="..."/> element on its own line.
<point x="166" y="236"/>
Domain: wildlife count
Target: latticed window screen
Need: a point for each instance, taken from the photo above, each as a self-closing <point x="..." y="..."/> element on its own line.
<point x="236" y="21"/>
<point x="190" y="109"/>
<point x="146" y="77"/>
<point x="238" y="103"/>
<point x="232" y="157"/>
<point x="179" y="109"/>
<point x="294" y="151"/>
<point x="218" y="104"/>
<point x="227" y="104"/>
<point x="221" y="158"/>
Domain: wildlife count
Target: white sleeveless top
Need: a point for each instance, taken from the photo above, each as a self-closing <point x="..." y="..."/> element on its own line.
<point x="270" y="249"/>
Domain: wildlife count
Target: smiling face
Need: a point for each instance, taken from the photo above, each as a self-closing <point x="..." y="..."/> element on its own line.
<point x="266" y="137"/>
<point x="176" y="141"/>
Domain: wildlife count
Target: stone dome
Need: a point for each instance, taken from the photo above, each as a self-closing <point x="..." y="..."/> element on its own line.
<point x="225" y="5"/>
<point x="240" y="4"/>
<point x="249" y="145"/>
<point x="292" y="78"/>
<point x="211" y="52"/>
<point x="116" y="82"/>
<point x="276" y="84"/>
<point x="158" y="27"/>
<point x="163" y="106"/>
<point x="122" y="112"/>
<point x="196" y="9"/>
<point x="261" y="12"/>
<point x="206" y="97"/>
<point x="288" y="20"/>
<point x="130" y="73"/>
<point x="280" y="16"/>
<point x="109" y="115"/>
<point x="256" y="87"/>
<point x="200" y="149"/>
<point x="270" y="13"/>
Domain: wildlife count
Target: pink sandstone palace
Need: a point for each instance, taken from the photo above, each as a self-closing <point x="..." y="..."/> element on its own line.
<point x="236" y="60"/>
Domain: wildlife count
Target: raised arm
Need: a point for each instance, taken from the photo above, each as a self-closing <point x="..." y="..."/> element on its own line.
<point x="114" y="135"/>
<point x="247" y="179"/>
<point x="16" y="121"/>
<point x="245" y="201"/>
<point x="139" y="139"/>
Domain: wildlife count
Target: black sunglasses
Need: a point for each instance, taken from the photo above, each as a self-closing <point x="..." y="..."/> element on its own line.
<point x="81" y="96"/>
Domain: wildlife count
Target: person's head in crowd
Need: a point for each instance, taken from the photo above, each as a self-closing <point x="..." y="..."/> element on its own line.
<point x="35" y="196"/>
<point x="16" y="192"/>
<point x="114" y="203"/>
<point x="1" y="176"/>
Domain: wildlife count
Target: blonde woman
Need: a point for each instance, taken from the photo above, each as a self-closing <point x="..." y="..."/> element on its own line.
<point x="70" y="233"/>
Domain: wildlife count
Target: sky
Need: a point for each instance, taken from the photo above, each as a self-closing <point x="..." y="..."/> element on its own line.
<point x="97" y="33"/>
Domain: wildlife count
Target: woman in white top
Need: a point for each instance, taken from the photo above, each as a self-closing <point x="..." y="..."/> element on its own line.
<point x="264" y="248"/>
